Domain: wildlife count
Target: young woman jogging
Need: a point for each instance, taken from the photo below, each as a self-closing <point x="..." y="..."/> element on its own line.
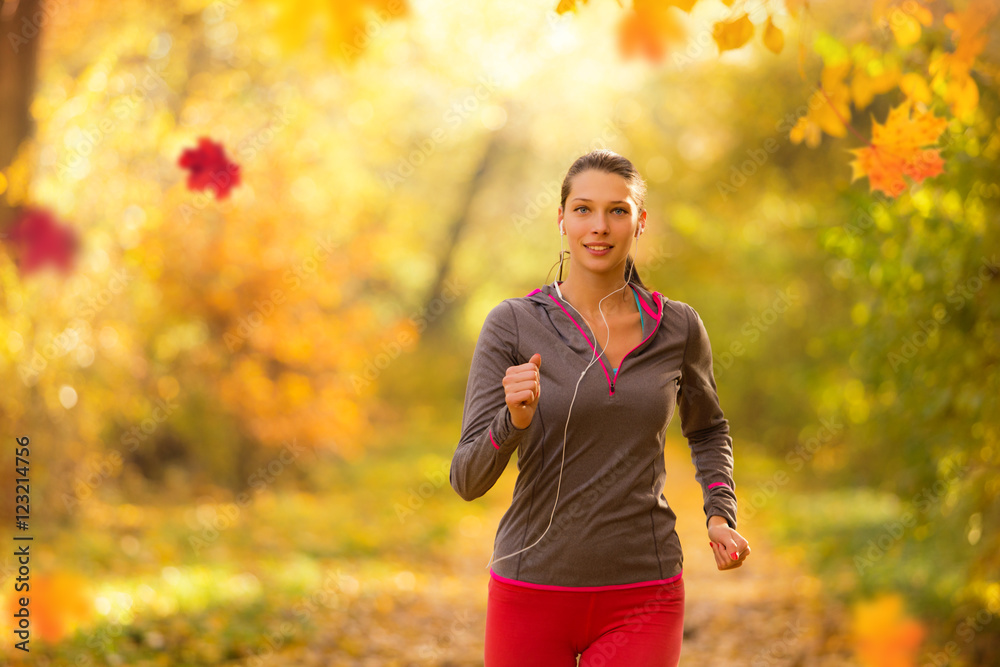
<point x="586" y="560"/>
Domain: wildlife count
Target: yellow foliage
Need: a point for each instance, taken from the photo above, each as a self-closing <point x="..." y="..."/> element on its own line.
<point x="904" y="19"/>
<point x="950" y="71"/>
<point x="296" y="389"/>
<point x="807" y="131"/>
<point x="905" y="29"/>
<point x="732" y="34"/>
<point x="962" y="96"/>
<point x="915" y="87"/>
<point x="794" y="6"/>
<point x="773" y="38"/>
<point x="18" y="174"/>
<point x="829" y="108"/>
<point x="835" y="96"/>
<point x="865" y="86"/>
<point x="567" y="6"/>
<point x="686" y="5"/>
<point x="168" y="387"/>
<point x="346" y="27"/>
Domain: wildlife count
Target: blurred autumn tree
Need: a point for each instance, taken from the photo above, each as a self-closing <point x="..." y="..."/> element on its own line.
<point x="212" y="326"/>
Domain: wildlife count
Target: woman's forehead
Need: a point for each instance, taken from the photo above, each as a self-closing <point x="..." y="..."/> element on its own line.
<point x="600" y="187"/>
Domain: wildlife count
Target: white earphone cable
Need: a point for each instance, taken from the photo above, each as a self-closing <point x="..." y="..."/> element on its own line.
<point x="569" y="410"/>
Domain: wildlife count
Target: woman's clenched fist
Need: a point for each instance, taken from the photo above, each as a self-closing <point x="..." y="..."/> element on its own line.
<point x="522" y="386"/>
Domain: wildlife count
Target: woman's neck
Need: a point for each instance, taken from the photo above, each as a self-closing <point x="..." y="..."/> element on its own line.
<point x="586" y="296"/>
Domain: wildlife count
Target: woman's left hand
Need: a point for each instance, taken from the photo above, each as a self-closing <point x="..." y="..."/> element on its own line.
<point x="729" y="547"/>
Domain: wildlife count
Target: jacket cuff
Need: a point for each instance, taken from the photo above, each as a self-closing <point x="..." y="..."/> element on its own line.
<point x="503" y="435"/>
<point x="724" y="510"/>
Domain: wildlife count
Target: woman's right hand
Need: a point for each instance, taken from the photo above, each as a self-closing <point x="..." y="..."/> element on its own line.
<point x="522" y="386"/>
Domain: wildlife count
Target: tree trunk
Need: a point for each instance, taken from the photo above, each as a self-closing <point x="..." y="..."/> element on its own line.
<point x="455" y="231"/>
<point x="20" y="38"/>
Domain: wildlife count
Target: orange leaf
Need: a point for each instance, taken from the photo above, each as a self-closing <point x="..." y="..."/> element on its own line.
<point x="58" y="603"/>
<point x="883" y="635"/>
<point x="649" y="30"/>
<point x="968" y="30"/>
<point x="897" y="149"/>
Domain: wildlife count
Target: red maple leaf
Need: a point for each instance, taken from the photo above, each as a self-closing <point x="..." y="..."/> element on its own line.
<point x="39" y="240"/>
<point x="210" y="168"/>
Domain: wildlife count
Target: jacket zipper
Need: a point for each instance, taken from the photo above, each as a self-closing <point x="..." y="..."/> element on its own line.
<point x="611" y="383"/>
<point x="621" y="364"/>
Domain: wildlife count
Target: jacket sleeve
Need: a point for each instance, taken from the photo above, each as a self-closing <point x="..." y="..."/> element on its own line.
<point x="488" y="435"/>
<point x="704" y="425"/>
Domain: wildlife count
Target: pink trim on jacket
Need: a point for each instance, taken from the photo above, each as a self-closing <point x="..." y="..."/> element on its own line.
<point x="583" y="589"/>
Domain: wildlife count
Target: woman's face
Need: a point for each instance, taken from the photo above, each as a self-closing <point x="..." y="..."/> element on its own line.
<point x="600" y="212"/>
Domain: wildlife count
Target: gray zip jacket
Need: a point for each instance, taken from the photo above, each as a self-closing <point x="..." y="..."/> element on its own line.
<point x="613" y="527"/>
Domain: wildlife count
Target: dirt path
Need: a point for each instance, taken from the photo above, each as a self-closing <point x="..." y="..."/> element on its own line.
<point x="768" y="612"/>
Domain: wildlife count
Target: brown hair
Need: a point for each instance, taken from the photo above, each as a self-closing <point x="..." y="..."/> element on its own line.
<point x="603" y="159"/>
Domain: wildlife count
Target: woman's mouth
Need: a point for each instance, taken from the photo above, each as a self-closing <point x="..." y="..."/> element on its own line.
<point x="598" y="248"/>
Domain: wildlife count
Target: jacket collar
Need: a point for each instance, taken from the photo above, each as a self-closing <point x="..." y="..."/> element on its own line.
<point x="546" y="296"/>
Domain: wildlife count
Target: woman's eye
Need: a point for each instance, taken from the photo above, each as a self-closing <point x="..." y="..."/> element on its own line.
<point x="617" y="208"/>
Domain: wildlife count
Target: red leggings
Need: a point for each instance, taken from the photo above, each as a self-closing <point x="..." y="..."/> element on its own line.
<point x="638" y="627"/>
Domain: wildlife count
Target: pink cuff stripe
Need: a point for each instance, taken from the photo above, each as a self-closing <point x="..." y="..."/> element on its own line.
<point x="492" y="440"/>
<point x="717" y="484"/>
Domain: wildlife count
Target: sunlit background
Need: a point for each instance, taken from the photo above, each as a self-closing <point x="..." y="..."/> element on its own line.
<point x="248" y="246"/>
